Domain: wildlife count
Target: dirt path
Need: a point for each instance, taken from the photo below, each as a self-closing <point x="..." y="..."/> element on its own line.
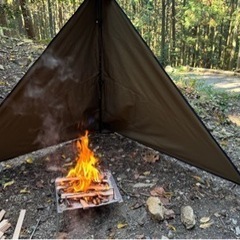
<point x="220" y="81"/>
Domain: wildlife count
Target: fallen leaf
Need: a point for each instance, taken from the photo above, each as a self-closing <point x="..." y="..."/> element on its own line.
<point x="204" y="219"/>
<point x="121" y="225"/>
<point x="157" y="191"/>
<point x="39" y="184"/>
<point x="112" y="233"/>
<point x="29" y="160"/>
<point x="205" y="225"/>
<point x="169" y="214"/>
<point x="63" y="156"/>
<point x="168" y="194"/>
<point x="136" y="176"/>
<point x="224" y="143"/>
<point x="146" y="173"/>
<point x="171" y="227"/>
<point x="199" y="179"/>
<point x="164" y="200"/>
<point x="24" y="190"/>
<point x="150" y="157"/>
<point x="8" y="184"/>
<point x="62" y="235"/>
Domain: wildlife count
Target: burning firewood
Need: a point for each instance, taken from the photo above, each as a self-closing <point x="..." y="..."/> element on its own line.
<point x="96" y="195"/>
<point x="85" y="185"/>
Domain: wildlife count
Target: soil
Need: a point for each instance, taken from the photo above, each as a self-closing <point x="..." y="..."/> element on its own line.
<point x="27" y="182"/>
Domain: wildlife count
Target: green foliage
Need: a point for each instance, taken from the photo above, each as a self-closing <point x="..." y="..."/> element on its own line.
<point x="197" y="13"/>
<point x="205" y="31"/>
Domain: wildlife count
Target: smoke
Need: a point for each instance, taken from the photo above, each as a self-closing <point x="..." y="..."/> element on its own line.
<point x="50" y="132"/>
<point x="62" y="67"/>
<point x="50" y="62"/>
<point x="41" y="98"/>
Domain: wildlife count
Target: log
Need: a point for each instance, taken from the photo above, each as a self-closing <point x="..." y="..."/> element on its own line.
<point x="3" y="223"/>
<point x="5" y="227"/>
<point x="2" y="214"/>
<point x="69" y="179"/>
<point x="84" y="204"/>
<point x="91" y="188"/>
<point x="90" y="194"/>
<point x="98" y="188"/>
<point x="19" y="224"/>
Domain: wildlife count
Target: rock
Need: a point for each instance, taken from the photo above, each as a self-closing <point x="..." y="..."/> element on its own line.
<point x="156" y="208"/>
<point x="164" y="237"/>
<point x="234" y="221"/>
<point x="237" y="229"/>
<point x="1" y="67"/>
<point x="188" y="217"/>
<point x="170" y="235"/>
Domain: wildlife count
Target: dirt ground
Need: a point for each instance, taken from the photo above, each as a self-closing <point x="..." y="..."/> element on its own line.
<point x="27" y="182"/>
<point x="33" y="190"/>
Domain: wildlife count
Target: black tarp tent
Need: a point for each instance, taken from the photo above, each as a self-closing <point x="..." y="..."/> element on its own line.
<point x="99" y="73"/>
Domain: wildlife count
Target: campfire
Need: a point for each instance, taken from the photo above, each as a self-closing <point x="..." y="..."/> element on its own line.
<point x="85" y="185"/>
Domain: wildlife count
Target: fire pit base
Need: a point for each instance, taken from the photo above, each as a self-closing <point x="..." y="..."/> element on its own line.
<point x="99" y="197"/>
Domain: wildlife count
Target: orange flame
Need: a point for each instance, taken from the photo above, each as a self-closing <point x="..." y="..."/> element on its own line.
<point x="85" y="169"/>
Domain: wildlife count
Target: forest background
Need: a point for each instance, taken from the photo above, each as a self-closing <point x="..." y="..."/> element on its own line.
<point x="196" y="33"/>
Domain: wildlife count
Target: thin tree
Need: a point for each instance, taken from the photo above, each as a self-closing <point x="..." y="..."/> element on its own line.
<point x="163" y="34"/>
<point x="27" y="19"/>
<point x="173" y="58"/>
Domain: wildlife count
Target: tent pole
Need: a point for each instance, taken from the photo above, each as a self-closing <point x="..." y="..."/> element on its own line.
<point x="100" y="80"/>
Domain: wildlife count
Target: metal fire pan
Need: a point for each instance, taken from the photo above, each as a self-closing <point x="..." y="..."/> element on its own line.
<point x="72" y="204"/>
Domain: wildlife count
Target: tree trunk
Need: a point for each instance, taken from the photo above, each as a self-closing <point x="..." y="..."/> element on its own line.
<point x="173" y="55"/>
<point x="238" y="59"/>
<point x="163" y="33"/>
<point x="3" y="17"/>
<point x="50" y="15"/>
<point x="235" y="36"/>
<point x="60" y="15"/>
<point x="27" y="19"/>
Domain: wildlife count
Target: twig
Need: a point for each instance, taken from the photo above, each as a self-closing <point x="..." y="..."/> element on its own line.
<point x="222" y="222"/>
<point x="145" y="194"/>
<point x="130" y="195"/>
<point x="34" y="230"/>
